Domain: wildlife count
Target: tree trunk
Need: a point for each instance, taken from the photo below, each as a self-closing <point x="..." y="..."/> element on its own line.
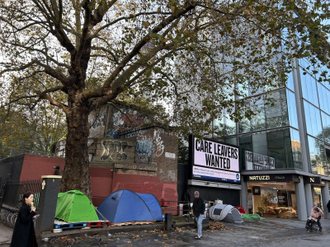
<point x="76" y="173"/>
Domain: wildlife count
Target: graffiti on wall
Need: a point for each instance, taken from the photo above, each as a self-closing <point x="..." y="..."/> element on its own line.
<point x="134" y="132"/>
<point x="159" y="147"/>
<point x="102" y="149"/>
<point x="148" y="147"/>
<point x="97" y="121"/>
<point x="144" y="150"/>
<point x="128" y="120"/>
<point x="114" y="150"/>
<point x="122" y="121"/>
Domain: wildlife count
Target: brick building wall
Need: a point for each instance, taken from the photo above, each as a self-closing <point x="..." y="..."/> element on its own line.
<point x="36" y="166"/>
<point x="104" y="181"/>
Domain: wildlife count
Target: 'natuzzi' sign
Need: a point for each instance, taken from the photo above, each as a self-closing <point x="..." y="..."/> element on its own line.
<point x="272" y="177"/>
<point x="258" y="178"/>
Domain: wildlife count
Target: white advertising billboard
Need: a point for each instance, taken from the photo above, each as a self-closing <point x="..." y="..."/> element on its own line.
<point x="215" y="161"/>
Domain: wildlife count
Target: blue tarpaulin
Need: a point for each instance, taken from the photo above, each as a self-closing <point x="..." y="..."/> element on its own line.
<point x="125" y="206"/>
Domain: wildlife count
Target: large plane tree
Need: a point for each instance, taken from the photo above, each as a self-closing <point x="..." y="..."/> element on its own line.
<point x="196" y="57"/>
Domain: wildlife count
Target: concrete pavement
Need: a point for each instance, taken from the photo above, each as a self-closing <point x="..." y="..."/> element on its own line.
<point x="269" y="232"/>
<point x="5" y="234"/>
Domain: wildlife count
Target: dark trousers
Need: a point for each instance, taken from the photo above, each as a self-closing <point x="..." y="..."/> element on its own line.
<point x="318" y="222"/>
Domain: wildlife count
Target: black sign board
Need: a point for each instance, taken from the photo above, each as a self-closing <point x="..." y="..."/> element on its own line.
<point x="272" y="177"/>
<point x="312" y="180"/>
<point x="282" y="198"/>
<point x="256" y="190"/>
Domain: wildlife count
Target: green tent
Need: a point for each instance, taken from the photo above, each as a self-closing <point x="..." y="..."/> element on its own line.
<point x="74" y="206"/>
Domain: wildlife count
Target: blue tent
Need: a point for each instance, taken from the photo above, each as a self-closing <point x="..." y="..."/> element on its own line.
<point x="125" y="205"/>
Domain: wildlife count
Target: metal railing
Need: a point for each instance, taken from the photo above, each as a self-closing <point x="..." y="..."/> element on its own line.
<point x="176" y="207"/>
<point x="17" y="151"/>
<point x="14" y="191"/>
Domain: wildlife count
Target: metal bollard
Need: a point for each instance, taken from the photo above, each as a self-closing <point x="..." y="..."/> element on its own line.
<point x="168" y="222"/>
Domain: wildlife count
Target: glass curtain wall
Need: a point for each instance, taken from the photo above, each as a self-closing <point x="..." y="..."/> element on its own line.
<point x="273" y="131"/>
<point x="316" y="98"/>
<point x="283" y="145"/>
<point x="267" y="116"/>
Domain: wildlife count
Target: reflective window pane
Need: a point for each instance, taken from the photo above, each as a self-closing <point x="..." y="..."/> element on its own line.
<point x="282" y="145"/>
<point x="313" y="120"/>
<point x="326" y="127"/>
<point x="225" y="125"/>
<point x="308" y="84"/>
<point x="277" y="112"/>
<point x="244" y="126"/>
<point x="327" y="162"/>
<point x="317" y="155"/>
<point x="289" y="82"/>
<point x="245" y="143"/>
<point x="292" y="109"/>
<point x="258" y="121"/>
<point x="259" y="143"/>
<point x="232" y="140"/>
<point x="279" y="147"/>
<point x="324" y="95"/>
<point x="304" y="63"/>
<point x="271" y="115"/>
<point x="296" y="149"/>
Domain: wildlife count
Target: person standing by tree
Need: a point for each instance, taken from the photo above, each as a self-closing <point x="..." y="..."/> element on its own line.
<point x="24" y="235"/>
<point x="199" y="213"/>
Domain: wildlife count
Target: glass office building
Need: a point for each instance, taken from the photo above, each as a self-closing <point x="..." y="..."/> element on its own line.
<point x="285" y="148"/>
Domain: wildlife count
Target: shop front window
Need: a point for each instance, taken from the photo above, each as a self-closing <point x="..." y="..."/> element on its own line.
<point x="272" y="199"/>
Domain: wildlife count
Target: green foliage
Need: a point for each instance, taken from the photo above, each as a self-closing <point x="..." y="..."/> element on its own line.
<point x="195" y="57"/>
<point x="23" y="131"/>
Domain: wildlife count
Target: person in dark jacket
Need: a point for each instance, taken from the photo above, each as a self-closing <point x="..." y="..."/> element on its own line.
<point x="24" y="235"/>
<point x="328" y="206"/>
<point x="199" y="212"/>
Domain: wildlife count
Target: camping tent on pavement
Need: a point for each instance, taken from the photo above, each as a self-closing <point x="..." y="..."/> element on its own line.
<point x="226" y="213"/>
<point x="74" y="206"/>
<point x="125" y="206"/>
